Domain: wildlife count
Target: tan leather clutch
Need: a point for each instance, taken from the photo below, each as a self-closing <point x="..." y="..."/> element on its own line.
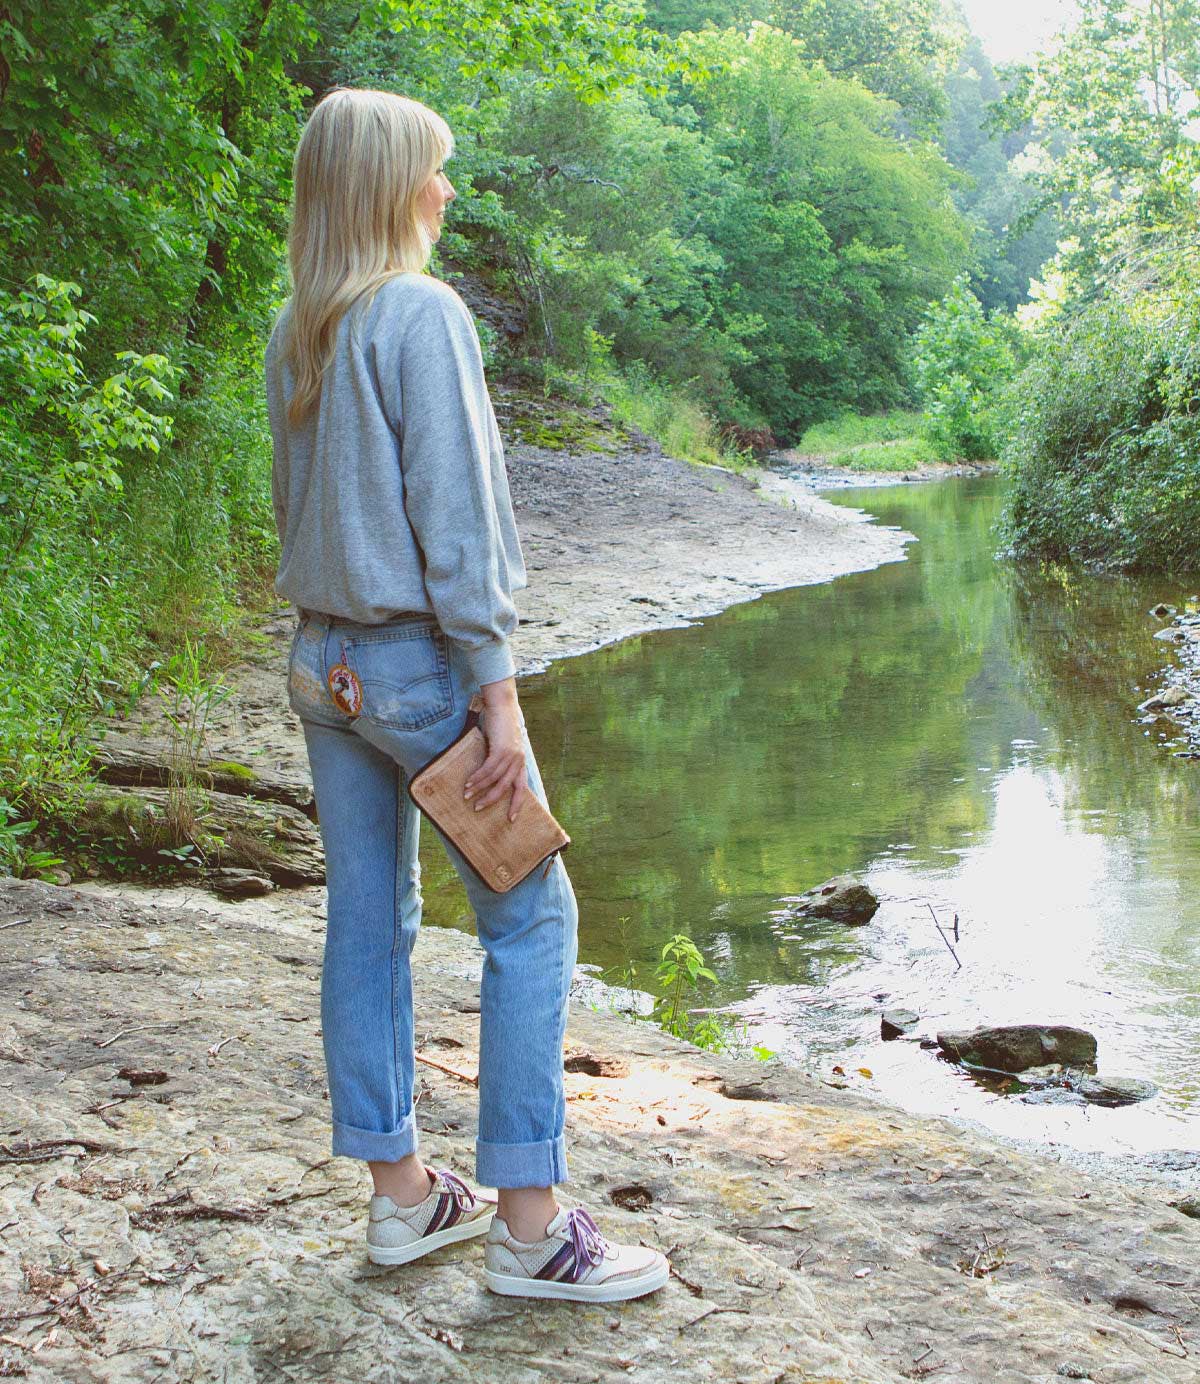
<point x="500" y="852"/>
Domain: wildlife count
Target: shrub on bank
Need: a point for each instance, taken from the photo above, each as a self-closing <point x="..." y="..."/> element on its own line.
<point x="961" y="360"/>
<point x="1103" y="442"/>
<point x="129" y="518"/>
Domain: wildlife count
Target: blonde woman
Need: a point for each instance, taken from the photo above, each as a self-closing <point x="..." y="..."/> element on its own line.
<point x="400" y="554"/>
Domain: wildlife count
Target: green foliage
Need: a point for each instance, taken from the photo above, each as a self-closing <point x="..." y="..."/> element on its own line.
<point x="1013" y="231"/>
<point x="589" y="47"/>
<point x="849" y="430"/>
<point x="740" y="226"/>
<point x="679" y="973"/>
<point x="18" y="860"/>
<point x="1108" y="103"/>
<point x="960" y="360"/>
<point x="194" y="692"/>
<point x="833" y="234"/>
<point x="65" y="443"/>
<point x="900" y="49"/>
<point x="142" y="153"/>
<point x="902" y="455"/>
<point x="1104" y="442"/>
<point x="870" y="442"/>
<point x="64" y="435"/>
<point x="669" y="415"/>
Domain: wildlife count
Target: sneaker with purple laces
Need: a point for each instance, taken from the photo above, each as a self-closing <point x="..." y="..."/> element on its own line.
<point x="573" y="1261"/>
<point x="397" y="1234"/>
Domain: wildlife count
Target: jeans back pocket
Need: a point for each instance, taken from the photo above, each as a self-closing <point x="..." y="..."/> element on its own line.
<point x="404" y="671"/>
<point x="308" y="695"/>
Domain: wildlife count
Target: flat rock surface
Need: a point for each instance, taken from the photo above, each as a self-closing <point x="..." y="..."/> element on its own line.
<point x="204" y="1232"/>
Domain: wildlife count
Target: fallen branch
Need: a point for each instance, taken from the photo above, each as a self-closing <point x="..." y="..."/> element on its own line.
<point x="1182" y="1347"/>
<point x="55" y="1147"/>
<point x="744" y="1311"/>
<point x="449" y="1071"/>
<point x="166" y="1023"/>
<point x="943" y="936"/>
<point x="433" y="1331"/>
<point x="171" y="1210"/>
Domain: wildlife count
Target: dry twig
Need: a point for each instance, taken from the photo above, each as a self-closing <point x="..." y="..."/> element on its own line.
<point x="166" y="1023"/>
<point x="449" y="1071"/>
<point x="943" y="936"/>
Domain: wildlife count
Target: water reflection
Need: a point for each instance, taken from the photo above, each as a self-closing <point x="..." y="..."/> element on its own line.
<point x="959" y="730"/>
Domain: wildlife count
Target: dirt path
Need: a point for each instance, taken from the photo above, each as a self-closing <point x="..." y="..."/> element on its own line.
<point x="169" y="1209"/>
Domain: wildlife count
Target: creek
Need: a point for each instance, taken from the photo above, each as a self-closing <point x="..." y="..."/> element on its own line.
<point x="957" y="730"/>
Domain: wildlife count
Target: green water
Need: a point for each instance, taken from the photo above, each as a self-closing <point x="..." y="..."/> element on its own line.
<point x="959" y="732"/>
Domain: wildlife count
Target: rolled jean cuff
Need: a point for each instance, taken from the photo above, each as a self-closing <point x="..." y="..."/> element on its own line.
<point x="522" y="1165"/>
<point x="374" y="1145"/>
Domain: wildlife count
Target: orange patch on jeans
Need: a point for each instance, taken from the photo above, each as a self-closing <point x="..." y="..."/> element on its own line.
<point x="346" y="689"/>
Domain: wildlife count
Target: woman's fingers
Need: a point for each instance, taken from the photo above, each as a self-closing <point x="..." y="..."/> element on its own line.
<point x="509" y="777"/>
<point x="485" y="775"/>
<point x="520" y="790"/>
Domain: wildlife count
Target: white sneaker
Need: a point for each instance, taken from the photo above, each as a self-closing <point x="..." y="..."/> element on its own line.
<point x="397" y="1234"/>
<point x="574" y="1261"/>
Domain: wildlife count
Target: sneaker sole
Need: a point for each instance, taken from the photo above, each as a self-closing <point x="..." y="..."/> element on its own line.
<point x="404" y="1254"/>
<point x="511" y="1286"/>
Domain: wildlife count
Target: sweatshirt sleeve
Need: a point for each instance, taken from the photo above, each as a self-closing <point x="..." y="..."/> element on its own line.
<point x="446" y="457"/>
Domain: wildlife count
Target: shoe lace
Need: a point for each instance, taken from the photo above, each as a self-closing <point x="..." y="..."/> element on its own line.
<point x="586" y="1239"/>
<point x="462" y="1193"/>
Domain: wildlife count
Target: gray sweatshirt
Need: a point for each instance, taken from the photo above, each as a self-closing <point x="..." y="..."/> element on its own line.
<point x="392" y="495"/>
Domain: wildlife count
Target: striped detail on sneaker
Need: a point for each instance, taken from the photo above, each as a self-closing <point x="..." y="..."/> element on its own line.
<point x="448" y="1212"/>
<point x="562" y="1264"/>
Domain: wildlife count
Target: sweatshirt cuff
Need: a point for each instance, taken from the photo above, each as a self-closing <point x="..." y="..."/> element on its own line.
<point x="490" y="662"/>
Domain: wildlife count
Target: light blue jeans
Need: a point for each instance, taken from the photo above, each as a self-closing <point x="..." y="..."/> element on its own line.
<point x="416" y="687"/>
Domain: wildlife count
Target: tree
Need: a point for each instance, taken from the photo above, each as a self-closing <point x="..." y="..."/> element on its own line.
<point x="960" y="362"/>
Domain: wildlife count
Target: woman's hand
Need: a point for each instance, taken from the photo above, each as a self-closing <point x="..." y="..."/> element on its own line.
<point x="504" y="768"/>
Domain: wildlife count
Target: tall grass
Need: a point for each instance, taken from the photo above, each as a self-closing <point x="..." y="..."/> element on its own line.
<point x="675" y="420"/>
<point x="893" y="441"/>
<point x="97" y="605"/>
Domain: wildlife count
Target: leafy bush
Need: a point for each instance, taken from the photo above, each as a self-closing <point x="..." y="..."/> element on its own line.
<point x="1104" y="441"/>
<point x="65" y="441"/>
<point x="122" y="528"/>
<point x="960" y="360"/>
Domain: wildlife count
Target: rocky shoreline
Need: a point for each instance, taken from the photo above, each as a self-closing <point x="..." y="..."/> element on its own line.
<point x="816" y="473"/>
<point x="1173" y="708"/>
<point x="170" y="1210"/>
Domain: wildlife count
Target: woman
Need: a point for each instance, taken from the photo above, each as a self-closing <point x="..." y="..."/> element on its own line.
<point x="400" y="553"/>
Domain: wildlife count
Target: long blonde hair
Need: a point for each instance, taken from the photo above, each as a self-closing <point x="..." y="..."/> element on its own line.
<point x="361" y="163"/>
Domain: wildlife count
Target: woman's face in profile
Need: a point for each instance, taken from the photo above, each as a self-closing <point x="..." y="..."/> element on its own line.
<point x="435" y="196"/>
